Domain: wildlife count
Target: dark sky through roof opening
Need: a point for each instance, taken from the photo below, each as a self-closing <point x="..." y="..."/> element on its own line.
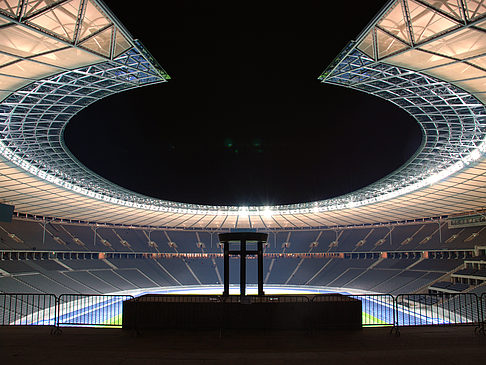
<point x="243" y="120"/>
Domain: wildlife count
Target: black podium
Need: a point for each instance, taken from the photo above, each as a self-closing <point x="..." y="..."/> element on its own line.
<point x="242" y="238"/>
<point x="276" y="312"/>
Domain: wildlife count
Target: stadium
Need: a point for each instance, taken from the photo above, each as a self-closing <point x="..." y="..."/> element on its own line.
<point x="74" y="246"/>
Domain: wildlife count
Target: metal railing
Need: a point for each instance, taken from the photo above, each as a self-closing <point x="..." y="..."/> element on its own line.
<point x="195" y="298"/>
<point x="28" y="309"/>
<point x="403" y="310"/>
<point x="91" y="310"/>
<point x="266" y="299"/>
<point x="482" y="325"/>
<point x="66" y="310"/>
<point x="176" y="298"/>
<point x="437" y="309"/>
<point x="377" y="309"/>
<point x="483" y="306"/>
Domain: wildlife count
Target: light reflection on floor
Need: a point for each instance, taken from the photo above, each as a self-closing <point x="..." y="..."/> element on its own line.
<point x="106" y="310"/>
<point x="250" y="290"/>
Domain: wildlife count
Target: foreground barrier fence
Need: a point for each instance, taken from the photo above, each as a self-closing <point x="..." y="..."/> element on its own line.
<point x="403" y="310"/>
<point x="435" y="309"/>
<point x="377" y="309"/>
<point x="28" y="309"/>
<point x="483" y="312"/>
<point x="90" y="310"/>
<point x="65" y="310"/>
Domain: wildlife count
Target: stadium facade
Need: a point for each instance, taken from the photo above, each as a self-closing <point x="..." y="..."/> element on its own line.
<point x="426" y="57"/>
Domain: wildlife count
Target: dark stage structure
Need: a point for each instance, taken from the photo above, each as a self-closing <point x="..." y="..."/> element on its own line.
<point x="255" y="312"/>
<point x="202" y="312"/>
<point x="242" y="239"/>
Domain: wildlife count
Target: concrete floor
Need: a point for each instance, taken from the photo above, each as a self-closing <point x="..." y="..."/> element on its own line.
<point x="88" y="346"/>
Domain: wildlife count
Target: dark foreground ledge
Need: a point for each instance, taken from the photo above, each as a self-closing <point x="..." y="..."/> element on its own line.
<point x="106" y="346"/>
<point x="281" y="312"/>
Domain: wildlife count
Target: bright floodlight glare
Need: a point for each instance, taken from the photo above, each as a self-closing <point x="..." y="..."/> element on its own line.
<point x="267" y="212"/>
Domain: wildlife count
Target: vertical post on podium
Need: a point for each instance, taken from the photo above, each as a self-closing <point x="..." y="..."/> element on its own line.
<point x="243" y="238"/>
<point x="260" y="267"/>
<point x="243" y="267"/>
<point x="226" y="268"/>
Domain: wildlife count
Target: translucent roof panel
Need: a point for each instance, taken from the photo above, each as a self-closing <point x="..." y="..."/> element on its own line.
<point x="440" y="43"/>
<point x="475" y="8"/>
<point x="36" y="6"/>
<point x="449" y="7"/>
<point x="366" y="46"/>
<point x="29" y="69"/>
<point x="69" y="57"/>
<point x="395" y="23"/>
<point x="4" y="59"/>
<point x="481" y="25"/>
<point x="52" y="56"/>
<point x="387" y="44"/>
<point x="10" y="7"/>
<point x="19" y="41"/>
<point x="462" y="44"/>
<point x="4" y="21"/>
<point x="121" y="43"/>
<point x="426" y="23"/>
<point x="60" y="20"/>
<point x="456" y="71"/>
<point x="100" y="42"/>
<point x="94" y="20"/>
<point x="9" y="83"/>
<point x="3" y="93"/>
<point x="478" y="61"/>
<point x="418" y="60"/>
<point x="476" y="86"/>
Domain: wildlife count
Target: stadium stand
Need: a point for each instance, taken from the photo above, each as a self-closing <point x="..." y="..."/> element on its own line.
<point x="66" y="257"/>
<point x="25" y="234"/>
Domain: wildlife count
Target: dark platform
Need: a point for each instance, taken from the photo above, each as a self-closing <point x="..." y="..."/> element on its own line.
<point x="282" y="312"/>
<point x="106" y="346"/>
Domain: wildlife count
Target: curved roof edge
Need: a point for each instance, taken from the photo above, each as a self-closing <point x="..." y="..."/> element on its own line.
<point x="404" y="56"/>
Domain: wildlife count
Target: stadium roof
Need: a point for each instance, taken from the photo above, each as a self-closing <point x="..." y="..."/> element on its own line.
<point x="58" y="57"/>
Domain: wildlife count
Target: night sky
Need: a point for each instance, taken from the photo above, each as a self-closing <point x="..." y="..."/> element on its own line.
<point x="244" y="120"/>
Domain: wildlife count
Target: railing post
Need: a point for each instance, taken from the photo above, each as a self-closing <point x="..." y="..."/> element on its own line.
<point x="480" y="329"/>
<point x="483" y="309"/>
<point x="136" y="325"/>
<point x="56" y="330"/>
<point x="395" y="329"/>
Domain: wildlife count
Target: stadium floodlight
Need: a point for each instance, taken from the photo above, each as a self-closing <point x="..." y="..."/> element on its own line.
<point x="243" y="212"/>
<point x="267" y="212"/>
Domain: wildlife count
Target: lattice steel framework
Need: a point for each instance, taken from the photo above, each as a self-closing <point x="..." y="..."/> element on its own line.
<point x="453" y="121"/>
<point x="32" y="118"/>
<point x="398" y="58"/>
